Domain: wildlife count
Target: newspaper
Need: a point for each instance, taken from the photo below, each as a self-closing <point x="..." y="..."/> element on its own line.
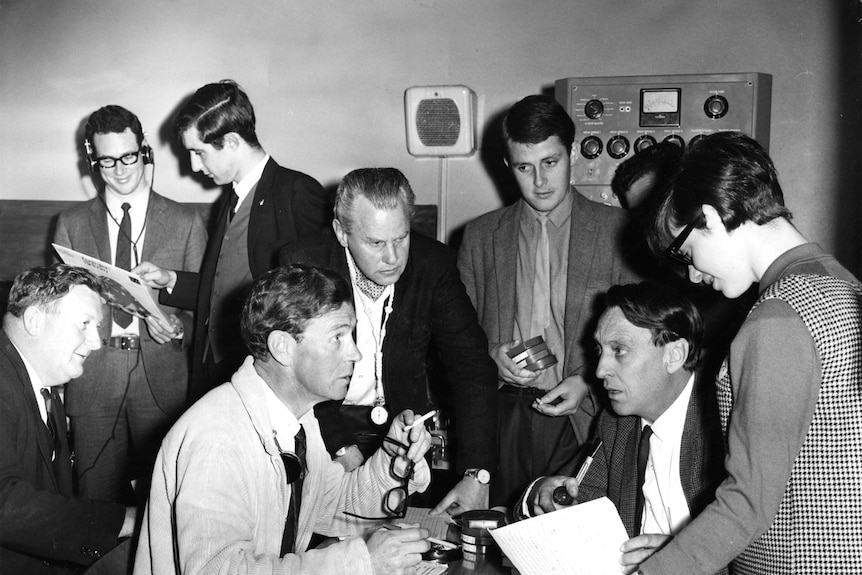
<point x="120" y="288"/>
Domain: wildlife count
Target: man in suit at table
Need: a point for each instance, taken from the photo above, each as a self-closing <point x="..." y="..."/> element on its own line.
<point x="136" y="385"/>
<point x="661" y="453"/>
<point x="408" y="298"/>
<point x="578" y="255"/>
<point x="268" y="206"/>
<point x="50" y="328"/>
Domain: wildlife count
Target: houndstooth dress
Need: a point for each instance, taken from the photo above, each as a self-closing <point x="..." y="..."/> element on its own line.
<point x="818" y="527"/>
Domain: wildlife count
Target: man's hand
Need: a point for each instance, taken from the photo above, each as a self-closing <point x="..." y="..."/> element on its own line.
<point x="397" y="551"/>
<point x="508" y="370"/>
<point x="466" y="495"/>
<point x="416" y="438"/>
<point x="638" y="549"/>
<point x="571" y="390"/>
<point x="128" y="527"/>
<point x="154" y="276"/>
<point x="351" y="459"/>
<point x="163" y="332"/>
<point x="541" y="498"/>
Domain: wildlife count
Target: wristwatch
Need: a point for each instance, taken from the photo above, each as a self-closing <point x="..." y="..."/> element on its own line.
<point x="479" y="474"/>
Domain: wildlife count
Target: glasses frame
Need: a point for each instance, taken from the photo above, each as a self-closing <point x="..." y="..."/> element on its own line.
<point x="400" y="511"/>
<point x="673" y="250"/>
<point x="134" y="157"/>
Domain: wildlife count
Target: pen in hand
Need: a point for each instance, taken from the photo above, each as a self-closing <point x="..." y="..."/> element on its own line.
<point x="561" y="494"/>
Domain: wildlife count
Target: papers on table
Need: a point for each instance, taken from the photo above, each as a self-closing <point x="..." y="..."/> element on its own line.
<point x="437" y="525"/>
<point x="582" y="539"/>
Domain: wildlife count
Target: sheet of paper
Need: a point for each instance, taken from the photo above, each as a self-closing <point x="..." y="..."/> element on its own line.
<point x="437" y="525"/>
<point x="121" y="289"/>
<point x="582" y="539"/>
<point x="430" y="568"/>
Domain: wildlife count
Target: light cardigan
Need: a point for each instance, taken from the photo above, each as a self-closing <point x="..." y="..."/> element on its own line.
<point x="217" y="502"/>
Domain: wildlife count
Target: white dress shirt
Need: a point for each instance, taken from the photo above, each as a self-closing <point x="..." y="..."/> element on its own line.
<point x="665" y="507"/>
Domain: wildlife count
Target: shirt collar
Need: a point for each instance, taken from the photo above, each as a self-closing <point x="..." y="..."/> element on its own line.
<point x="284" y="423"/>
<point x="244" y="186"/>
<point x="138" y="205"/>
<point x="35" y="381"/>
<point x="670" y="424"/>
<point x="558" y="216"/>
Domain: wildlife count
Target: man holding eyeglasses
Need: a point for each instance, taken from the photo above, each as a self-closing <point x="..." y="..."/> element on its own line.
<point x="244" y="479"/>
<point x="789" y="390"/>
<point x="136" y="385"/>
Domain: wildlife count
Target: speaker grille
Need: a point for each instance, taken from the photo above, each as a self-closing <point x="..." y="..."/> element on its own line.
<point x="438" y="122"/>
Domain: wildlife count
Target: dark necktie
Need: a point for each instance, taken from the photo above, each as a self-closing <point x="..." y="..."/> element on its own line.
<point x="288" y="541"/>
<point x="234" y="199"/>
<point x="54" y="428"/>
<point x="643" y="458"/>
<point x="123" y="259"/>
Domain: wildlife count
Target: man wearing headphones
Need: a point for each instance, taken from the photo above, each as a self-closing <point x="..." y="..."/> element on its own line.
<point x="136" y="385"/>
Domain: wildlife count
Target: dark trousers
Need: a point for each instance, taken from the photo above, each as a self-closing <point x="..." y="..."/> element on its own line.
<point x="530" y="444"/>
<point x="117" y="440"/>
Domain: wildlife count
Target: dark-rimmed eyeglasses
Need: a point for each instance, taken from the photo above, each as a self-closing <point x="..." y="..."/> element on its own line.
<point x="396" y="499"/>
<point x="674" y="252"/>
<point x="129" y="159"/>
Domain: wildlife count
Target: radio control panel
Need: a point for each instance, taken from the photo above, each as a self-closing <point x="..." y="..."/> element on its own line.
<point x="617" y="117"/>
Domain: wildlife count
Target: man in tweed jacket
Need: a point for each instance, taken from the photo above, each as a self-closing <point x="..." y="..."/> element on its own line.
<point x="789" y="390"/>
<point x="649" y="339"/>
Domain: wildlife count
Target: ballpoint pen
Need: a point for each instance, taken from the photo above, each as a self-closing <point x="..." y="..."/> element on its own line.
<point x="561" y="494"/>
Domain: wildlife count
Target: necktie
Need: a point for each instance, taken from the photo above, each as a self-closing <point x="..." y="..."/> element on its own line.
<point x="643" y="458"/>
<point x="288" y="540"/>
<point x="51" y="400"/>
<point x="541" y="313"/>
<point x="124" y="259"/>
<point x="234" y="199"/>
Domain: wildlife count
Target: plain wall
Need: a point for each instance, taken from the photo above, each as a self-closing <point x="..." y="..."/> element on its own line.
<point x="327" y="79"/>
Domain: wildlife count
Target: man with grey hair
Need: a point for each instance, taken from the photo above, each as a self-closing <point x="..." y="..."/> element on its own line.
<point x="408" y="297"/>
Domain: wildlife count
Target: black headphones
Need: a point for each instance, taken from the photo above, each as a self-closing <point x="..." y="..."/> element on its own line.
<point x="92" y="161"/>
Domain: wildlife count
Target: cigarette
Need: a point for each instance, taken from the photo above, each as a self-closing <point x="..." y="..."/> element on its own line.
<point x="441" y="543"/>
<point x="416" y="422"/>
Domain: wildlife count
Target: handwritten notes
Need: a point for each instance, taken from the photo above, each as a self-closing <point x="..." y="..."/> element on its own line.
<point x="582" y="539"/>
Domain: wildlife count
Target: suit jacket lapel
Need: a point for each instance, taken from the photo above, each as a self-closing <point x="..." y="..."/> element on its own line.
<point x="155" y="230"/>
<point x="505" y="246"/>
<point x="46" y="444"/>
<point x="581" y="239"/>
<point x="99" y="229"/>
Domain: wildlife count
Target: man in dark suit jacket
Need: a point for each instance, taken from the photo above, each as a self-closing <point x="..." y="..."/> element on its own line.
<point x="649" y="339"/>
<point x="408" y="294"/>
<point x="269" y="206"/>
<point x="136" y="385"/>
<point x="50" y="328"/>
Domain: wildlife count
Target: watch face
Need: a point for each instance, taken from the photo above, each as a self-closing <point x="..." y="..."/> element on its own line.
<point x="483" y="476"/>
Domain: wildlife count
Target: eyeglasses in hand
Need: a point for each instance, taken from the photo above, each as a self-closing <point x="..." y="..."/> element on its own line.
<point x="396" y="499"/>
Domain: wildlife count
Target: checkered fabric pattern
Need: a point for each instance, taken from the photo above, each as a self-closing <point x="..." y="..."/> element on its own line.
<point x="818" y="528"/>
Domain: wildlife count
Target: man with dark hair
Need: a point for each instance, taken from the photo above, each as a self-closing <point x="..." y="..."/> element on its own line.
<point x="410" y="298"/>
<point x="535" y="269"/>
<point x="649" y="340"/>
<point x="243" y="478"/>
<point x="788" y="392"/>
<point x="268" y="206"/>
<point x="136" y="385"/>
<point x="51" y="326"/>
